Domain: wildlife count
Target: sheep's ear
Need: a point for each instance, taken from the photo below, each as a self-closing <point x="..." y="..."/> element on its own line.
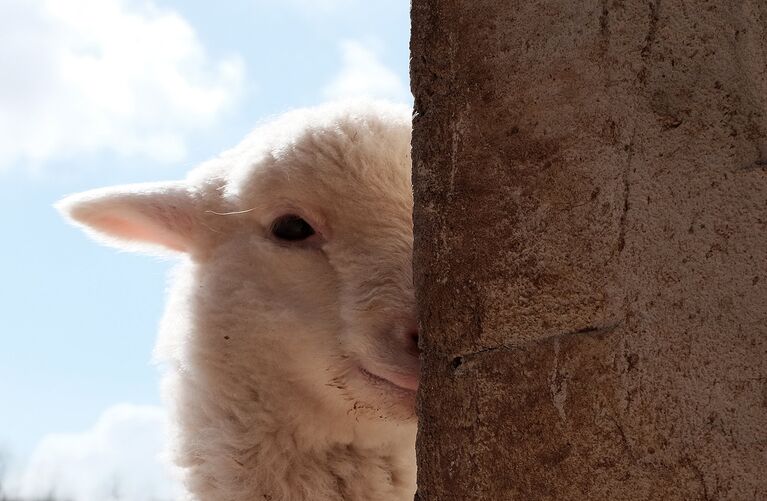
<point x="143" y="217"/>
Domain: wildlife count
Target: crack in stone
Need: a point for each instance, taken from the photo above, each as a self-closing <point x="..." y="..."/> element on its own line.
<point x="604" y="20"/>
<point x="626" y="191"/>
<point x="604" y="27"/>
<point x="458" y="361"/>
<point x="624" y="439"/>
<point x="759" y="164"/>
<point x="558" y="385"/>
<point x="652" y="30"/>
<point x="686" y="461"/>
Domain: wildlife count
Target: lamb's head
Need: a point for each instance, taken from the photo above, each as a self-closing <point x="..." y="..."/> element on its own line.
<point x="299" y="286"/>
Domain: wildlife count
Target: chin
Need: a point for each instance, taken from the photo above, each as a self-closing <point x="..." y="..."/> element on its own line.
<point x="376" y="398"/>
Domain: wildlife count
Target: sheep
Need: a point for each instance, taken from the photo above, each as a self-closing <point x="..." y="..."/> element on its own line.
<point x="290" y="335"/>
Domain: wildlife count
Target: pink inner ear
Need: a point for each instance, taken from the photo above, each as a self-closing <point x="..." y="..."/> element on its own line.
<point x="139" y="231"/>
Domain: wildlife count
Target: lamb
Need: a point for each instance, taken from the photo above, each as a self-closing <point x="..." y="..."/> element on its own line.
<point x="290" y="334"/>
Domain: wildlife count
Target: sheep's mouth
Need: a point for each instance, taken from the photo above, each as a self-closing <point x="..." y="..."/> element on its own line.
<point x="397" y="382"/>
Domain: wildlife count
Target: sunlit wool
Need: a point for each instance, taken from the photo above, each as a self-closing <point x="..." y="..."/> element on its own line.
<point x="292" y="364"/>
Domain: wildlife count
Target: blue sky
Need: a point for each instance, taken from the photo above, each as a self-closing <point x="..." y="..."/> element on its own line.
<point x="104" y="92"/>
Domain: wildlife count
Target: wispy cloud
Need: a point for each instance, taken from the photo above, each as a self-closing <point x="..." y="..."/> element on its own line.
<point x="362" y="74"/>
<point x="121" y="457"/>
<point x="91" y="75"/>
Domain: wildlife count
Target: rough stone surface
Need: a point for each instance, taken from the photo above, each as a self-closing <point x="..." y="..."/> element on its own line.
<point x="591" y="248"/>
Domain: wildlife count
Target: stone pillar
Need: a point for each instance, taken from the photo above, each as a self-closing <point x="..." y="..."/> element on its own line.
<point x="591" y="248"/>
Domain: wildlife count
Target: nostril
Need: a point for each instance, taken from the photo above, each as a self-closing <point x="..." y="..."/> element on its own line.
<point x="413" y="335"/>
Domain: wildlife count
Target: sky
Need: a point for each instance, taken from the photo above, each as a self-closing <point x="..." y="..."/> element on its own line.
<point x="103" y="92"/>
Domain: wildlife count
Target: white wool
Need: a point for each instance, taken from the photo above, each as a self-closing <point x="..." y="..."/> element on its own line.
<point x="292" y="365"/>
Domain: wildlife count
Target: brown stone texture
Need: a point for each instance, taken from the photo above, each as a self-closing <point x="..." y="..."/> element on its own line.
<point x="591" y="248"/>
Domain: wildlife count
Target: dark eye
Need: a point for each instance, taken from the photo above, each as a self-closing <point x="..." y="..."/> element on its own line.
<point x="291" y="228"/>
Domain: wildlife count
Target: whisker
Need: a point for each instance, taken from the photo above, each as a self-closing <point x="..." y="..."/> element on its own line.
<point x="233" y="213"/>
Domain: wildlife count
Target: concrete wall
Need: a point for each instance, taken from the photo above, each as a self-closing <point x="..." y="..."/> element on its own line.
<point x="591" y="248"/>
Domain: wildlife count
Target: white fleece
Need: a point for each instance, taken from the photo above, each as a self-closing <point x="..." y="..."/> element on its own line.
<point x="292" y="365"/>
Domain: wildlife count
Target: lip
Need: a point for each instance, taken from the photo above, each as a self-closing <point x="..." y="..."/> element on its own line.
<point x="400" y="382"/>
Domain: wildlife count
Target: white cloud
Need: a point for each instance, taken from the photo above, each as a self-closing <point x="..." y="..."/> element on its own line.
<point x="90" y="75"/>
<point x="323" y="5"/>
<point x="315" y="6"/>
<point x="364" y="75"/>
<point x="121" y="457"/>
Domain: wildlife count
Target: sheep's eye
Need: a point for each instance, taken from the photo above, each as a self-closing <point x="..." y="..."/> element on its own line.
<point x="291" y="228"/>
